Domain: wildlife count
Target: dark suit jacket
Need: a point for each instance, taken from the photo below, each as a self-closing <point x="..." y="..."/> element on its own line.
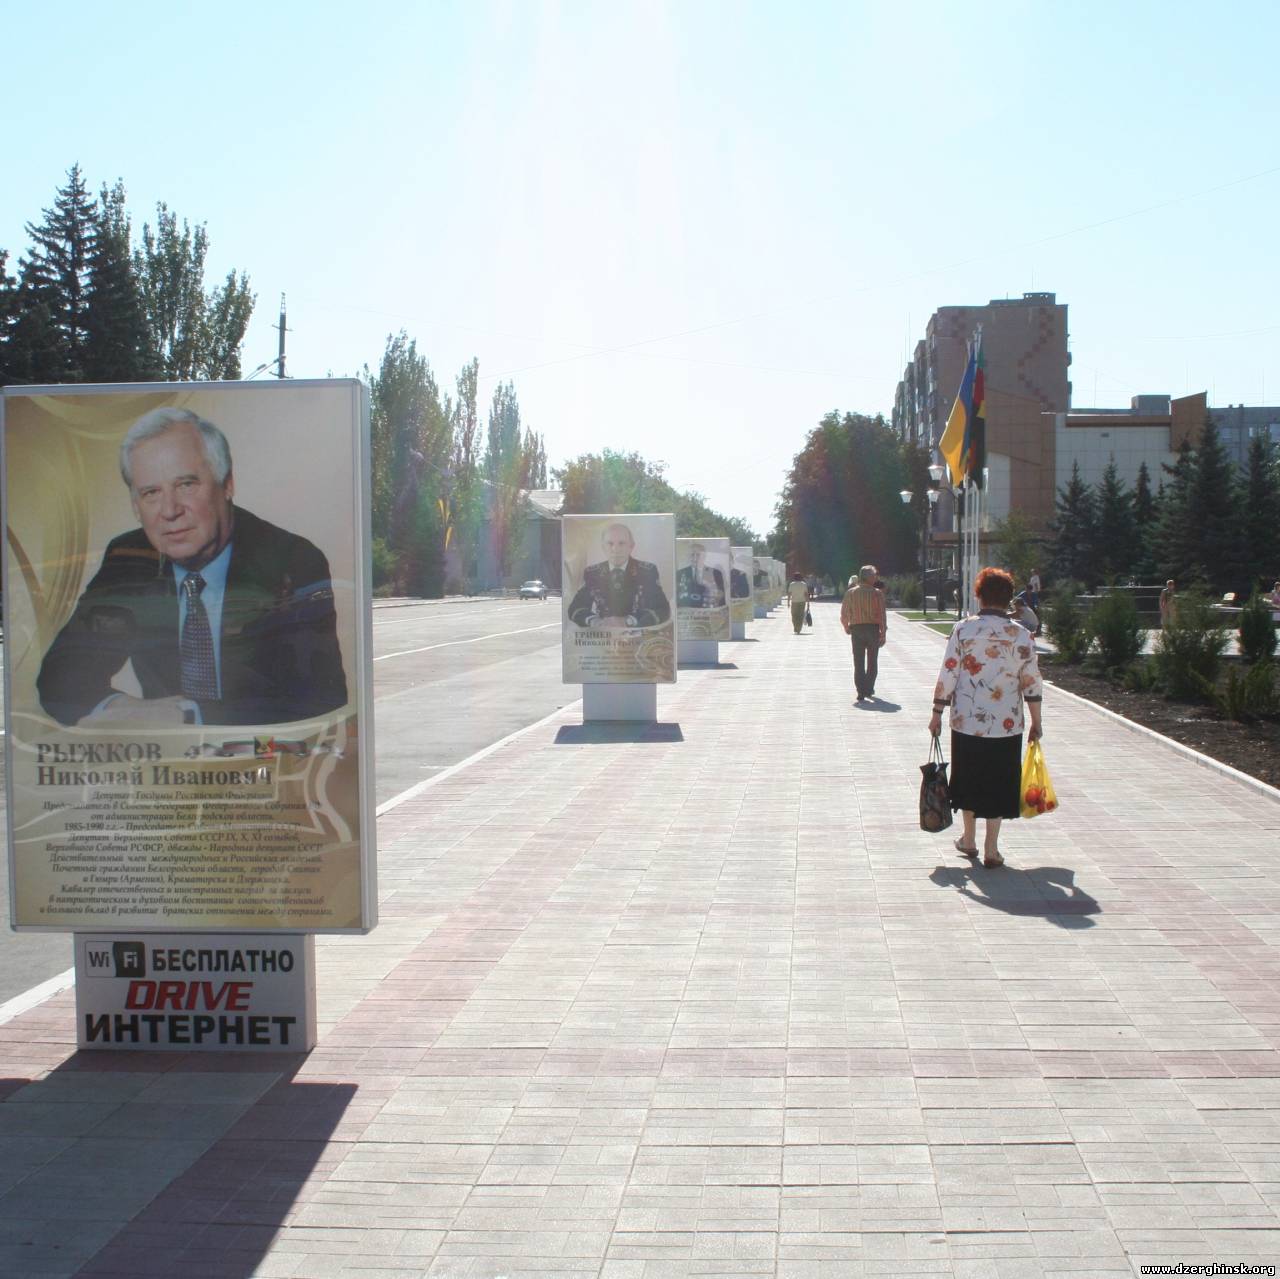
<point x="638" y="594"/>
<point x="739" y="584"/>
<point x="280" y="654"/>
<point x="691" y="594"/>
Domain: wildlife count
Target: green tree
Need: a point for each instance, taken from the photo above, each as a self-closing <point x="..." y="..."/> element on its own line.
<point x="1019" y="550"/>
<point x="1117" y="547"/>
<point x="1144" y="514"/>
<point x="411" y="442"/>
<point x="1213" y="512"/>
<point x="196" y="334"/>
<point x="55" y="284"/>
<point x="118" y="344"/>
<point x="1172" y="543"/>
<point x="839" y="506"/>
<point x="610" y="483"/>
<point x="1260" y="513"/>
<point x="1074" y="529"/>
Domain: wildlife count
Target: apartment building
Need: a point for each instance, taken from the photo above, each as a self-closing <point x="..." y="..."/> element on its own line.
<point x="1025" y="351"/>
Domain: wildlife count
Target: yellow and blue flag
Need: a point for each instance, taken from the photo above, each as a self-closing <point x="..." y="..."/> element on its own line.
<point x="964" y="441"/>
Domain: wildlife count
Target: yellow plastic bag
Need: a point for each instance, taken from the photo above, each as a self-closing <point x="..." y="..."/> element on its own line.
<point x="1038" y="795"/>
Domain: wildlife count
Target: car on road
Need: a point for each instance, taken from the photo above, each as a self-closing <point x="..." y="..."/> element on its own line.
<point x="533" y="591"/>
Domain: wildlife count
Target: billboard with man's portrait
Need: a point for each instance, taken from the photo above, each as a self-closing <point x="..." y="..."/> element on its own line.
<point x="742" y="608"/>
<point x="187" y="657"/>
<point x="619" y="591"/>
<point x="704" y="569"/>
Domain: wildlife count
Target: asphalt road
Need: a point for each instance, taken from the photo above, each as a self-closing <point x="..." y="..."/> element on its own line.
<point x="448" y="680"/>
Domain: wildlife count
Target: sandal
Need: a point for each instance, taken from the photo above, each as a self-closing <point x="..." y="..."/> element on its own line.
<point x="962" y="850"/>
<point x="992" y="859"/>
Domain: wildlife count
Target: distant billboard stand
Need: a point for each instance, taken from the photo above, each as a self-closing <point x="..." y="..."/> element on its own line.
<point x="619" y="628"/>
<point x="742" y="609"/>
<point x="704" y="569"/>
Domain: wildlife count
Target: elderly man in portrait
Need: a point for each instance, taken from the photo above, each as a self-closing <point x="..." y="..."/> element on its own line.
<point x="225" y="618"/>
<point x="621" y="592"/>
<point x="698" y="586"/>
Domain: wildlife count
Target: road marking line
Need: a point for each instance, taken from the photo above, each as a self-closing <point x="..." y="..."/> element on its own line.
<point x="427" y="782"/>
<point x="20" y="1004"/>
<point x="408" y="652"/>
<point x="25" y="1002"/>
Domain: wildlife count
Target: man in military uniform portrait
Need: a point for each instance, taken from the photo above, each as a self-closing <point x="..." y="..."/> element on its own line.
<point x="698" y="586"/>
<point x="620" y="592"/>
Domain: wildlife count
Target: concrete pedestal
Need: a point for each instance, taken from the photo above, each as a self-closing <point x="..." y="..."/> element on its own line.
<point x="761" y="611"/>
<point x="699" y="652"/>
<point x="739" y="631"/>
<point x="635" y="703"/>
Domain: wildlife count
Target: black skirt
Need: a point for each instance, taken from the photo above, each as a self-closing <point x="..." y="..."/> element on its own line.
<point x="986" y="774"/>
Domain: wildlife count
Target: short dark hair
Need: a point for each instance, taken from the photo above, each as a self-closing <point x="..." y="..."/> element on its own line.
<point x="994" y="587"/>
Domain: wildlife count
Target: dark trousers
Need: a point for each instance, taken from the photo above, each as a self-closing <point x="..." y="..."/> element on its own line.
<point x="866" y="657"/>
<point x="797" y="614"/>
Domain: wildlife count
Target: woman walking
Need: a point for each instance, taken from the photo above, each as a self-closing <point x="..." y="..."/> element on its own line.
<point x="988" y="673"/>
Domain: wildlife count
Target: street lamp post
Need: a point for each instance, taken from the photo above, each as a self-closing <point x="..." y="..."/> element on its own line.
<point x="907" y="496"/>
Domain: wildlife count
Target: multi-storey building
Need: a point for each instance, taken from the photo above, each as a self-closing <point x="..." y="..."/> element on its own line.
<point x="1024" y="342"/>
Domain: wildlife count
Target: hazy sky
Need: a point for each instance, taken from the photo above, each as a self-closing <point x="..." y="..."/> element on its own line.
<point x="689" y="229"/>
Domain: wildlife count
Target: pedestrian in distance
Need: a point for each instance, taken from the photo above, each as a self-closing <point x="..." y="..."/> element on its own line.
<point x="862" y="614"/>
<point x="1168" y="604"/>
<point x="1033" y="590"/>
<point x="798" y="597"/>
<point x="990" y="679"/>
<point x="1022" y="613"/>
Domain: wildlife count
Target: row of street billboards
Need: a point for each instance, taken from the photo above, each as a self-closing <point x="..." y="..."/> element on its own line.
<point x="639" y="602"/>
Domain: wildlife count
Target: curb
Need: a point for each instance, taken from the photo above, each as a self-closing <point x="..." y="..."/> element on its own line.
<point x="448" y="599"/>
<point x="1188" y="752"/>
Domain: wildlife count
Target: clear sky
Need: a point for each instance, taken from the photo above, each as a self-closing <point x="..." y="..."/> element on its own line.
<point x="689" y="228"/>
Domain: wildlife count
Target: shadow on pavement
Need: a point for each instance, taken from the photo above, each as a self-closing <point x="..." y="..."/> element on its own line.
<point x="165" y="1163"/>
<point x="708" y="666"/>
<point x="611" y="731"/>
<point x="1049" y="892"/>
<point x="877" y="704"/>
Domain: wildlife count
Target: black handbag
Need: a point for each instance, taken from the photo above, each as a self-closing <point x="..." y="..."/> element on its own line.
<point x="935" y="794"/>
<point x="808" y="618"/>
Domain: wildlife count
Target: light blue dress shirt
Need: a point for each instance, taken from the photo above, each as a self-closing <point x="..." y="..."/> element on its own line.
<point x="213" y="595"/>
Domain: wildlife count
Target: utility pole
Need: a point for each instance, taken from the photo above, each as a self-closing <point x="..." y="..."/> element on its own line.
<point x="283" y="330"/>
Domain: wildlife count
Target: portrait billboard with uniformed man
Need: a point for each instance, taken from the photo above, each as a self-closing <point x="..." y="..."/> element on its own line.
<point x="618" y="591"/>
<point x="704" y="568"/>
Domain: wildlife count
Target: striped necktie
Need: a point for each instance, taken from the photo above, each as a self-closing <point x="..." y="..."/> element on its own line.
<point x="199" y="674"/>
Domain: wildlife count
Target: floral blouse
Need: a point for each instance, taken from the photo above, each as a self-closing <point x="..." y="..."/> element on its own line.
<point x="989" y="670"/>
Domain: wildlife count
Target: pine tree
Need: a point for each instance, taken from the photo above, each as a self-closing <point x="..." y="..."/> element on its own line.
<point x="1213" y="513"/>
<point x="1260" y="514"/>
<point x="1117" y="540"/>
<point x="1144" y="514"/>
<point x="1074" y="530"/>
<point x="1172" y="542"/>
<point x="118" y="345"/>
<point x="55" y="284"/>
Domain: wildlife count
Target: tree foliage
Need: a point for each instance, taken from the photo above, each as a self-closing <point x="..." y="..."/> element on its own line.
<point x="840" y="504"/>
<point x="89" y="306"/>
<point x="1074" y="529"/>
<point x="615" y="483"/>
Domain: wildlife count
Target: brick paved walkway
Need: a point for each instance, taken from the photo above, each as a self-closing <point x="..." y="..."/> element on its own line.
<point x="708" y="1003"/>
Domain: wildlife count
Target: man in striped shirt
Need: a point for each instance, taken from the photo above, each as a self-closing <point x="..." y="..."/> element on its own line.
<point x="863" y="618"/>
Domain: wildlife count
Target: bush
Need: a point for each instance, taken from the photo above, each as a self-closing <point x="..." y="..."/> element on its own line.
<point x="1067" y="622"/>
<point x="1244" y="697"/>
<point x="1189" y="649"/>
<point x="1257" y="630"/>
<point x="911" y="594"/>
<point x="1113" y="623"/>
<point x="384" y="562"/>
